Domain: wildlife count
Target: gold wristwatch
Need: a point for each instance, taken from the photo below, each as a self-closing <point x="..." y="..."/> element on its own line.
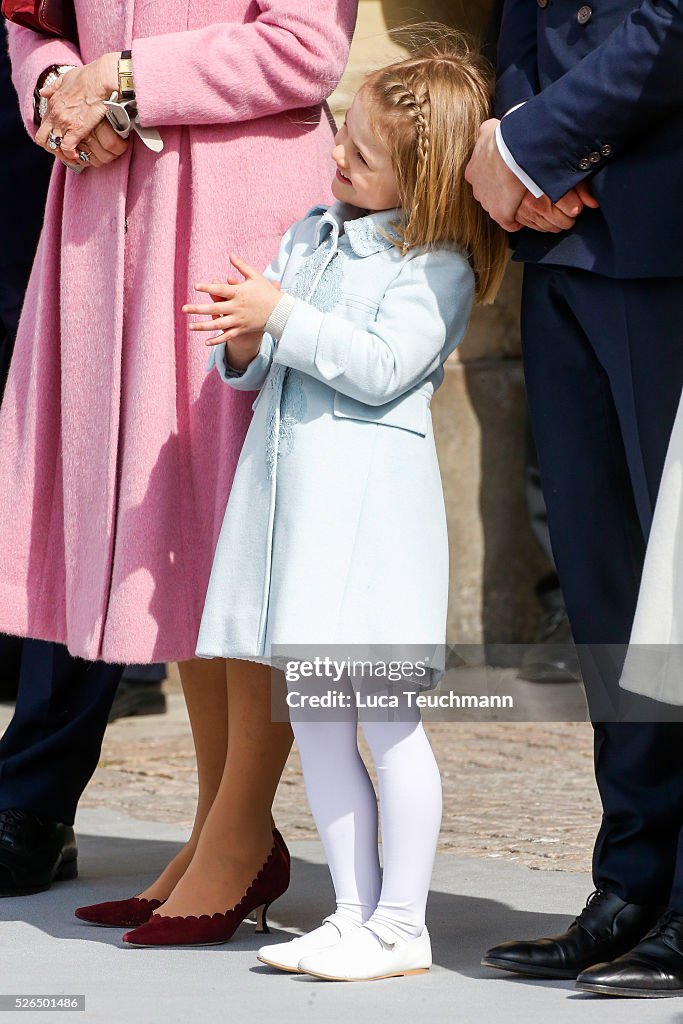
<point x="126" y="86"/>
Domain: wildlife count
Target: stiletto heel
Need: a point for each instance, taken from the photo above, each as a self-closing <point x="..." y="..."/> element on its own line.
<point x="270" y="883"/>
<point x="135" y="912"/>
<point x="262" y="920"/>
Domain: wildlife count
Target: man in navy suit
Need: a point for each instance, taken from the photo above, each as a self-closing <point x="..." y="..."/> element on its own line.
<point x="583" y="164"/>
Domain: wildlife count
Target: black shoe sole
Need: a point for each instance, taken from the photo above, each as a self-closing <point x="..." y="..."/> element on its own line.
<point x="528" y="970"/>
<point x="66" y="872"/>
<point x="634" y="993"/>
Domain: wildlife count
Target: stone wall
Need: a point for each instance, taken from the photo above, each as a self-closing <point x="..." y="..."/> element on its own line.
<point x="479" y="413"/>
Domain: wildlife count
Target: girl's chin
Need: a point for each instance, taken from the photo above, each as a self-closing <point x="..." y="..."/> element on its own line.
<point x="340" y="188"/>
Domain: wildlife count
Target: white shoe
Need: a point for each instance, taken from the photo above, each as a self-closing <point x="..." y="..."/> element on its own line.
<point x="286" y="955"/>
<point x="368" y="954"/>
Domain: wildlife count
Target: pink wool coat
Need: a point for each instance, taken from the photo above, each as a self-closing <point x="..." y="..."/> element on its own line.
<point x="117" y="451"/>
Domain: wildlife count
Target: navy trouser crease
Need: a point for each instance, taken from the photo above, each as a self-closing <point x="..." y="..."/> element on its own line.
<point x="603" y="363"/>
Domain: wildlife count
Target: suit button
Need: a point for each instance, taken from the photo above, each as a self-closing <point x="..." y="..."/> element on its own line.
<point x="584" y="15"/>
<point x="595" y="158"/>
<point x="542" y="3"/>
<point x="606" y="150"/>
<point x="584" y="164"/>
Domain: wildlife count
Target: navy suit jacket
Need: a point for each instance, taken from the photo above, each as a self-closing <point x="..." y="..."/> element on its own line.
<point x="605" y="104"/>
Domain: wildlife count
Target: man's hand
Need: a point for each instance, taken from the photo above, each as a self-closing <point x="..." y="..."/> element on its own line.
<point x="542" y="215"/>
<point x="498" y="190"/>
<point x="506" y="199"/>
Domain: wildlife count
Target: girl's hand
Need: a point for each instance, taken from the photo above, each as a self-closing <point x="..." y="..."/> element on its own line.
<point x="244" y="307"/>
<point x="75" y="106"/>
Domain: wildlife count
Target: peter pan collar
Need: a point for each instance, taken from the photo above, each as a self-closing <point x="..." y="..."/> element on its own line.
<point x="364" y="233"/>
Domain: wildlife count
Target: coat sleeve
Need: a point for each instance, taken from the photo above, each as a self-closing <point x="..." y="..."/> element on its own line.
<point x="423" y="314"/>
<point x="291" y="56"/>
<point x="253" y="377"/>
<point x="517" y="59"/>
<point x="30" y="53"/>
<point x="619" y="90"/>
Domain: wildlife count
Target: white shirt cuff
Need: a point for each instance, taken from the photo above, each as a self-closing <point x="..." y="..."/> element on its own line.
<point x="513" y="165"/>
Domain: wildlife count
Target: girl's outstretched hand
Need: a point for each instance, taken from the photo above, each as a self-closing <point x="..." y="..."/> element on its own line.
<point x="239" y="307"/>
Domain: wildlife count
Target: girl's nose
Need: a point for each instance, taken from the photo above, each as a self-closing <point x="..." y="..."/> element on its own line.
<point x="338" y="153"/>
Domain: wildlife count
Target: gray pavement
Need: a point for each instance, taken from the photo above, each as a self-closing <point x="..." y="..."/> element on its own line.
<point x="473" y="904"/>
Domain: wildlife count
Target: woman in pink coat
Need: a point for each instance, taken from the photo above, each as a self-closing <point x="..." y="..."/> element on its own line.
<point x="117" y="451"/>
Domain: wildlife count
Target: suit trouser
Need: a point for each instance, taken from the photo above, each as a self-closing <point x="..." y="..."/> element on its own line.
<point x="51" y="747"/>
<point x="603" y="363"/>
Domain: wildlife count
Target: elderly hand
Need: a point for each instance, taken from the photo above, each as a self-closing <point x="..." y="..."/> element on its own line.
<point x="76" y="113"/>
<point x="506" y="199"/>
<point x="243" y="307"/>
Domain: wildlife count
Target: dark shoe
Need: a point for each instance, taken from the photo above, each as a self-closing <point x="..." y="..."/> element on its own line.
<point x="34" y="852"/>
<point x="137" y="699"/>
<point x="605" y="928"/>
<point x="129" y="913"/>
<point x="552" y="658"/>
<point x="133" y="912"/>
<point x="270" y="883"/>
<point x="653" y="969"/>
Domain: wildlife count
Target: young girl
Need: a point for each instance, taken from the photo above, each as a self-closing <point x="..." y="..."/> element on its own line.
<point x="335" y="530"/>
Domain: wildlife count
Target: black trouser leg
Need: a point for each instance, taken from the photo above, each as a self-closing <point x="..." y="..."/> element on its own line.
<point x="604" y="367"/>
<point x="51" y="747"/>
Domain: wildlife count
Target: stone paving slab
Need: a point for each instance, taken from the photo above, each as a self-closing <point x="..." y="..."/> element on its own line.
<point x="473" y="904"/>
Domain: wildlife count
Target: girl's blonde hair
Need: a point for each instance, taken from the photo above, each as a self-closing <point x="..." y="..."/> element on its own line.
<point x="427" y="110"/>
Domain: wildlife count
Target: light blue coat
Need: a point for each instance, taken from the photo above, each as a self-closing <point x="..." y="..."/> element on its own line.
<point x="335" y="531"/>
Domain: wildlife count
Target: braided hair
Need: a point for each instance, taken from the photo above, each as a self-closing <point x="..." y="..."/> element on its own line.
<point x="427" y="110"/>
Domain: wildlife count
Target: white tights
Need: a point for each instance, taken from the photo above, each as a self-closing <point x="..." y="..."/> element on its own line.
<point x="344" y="807"/>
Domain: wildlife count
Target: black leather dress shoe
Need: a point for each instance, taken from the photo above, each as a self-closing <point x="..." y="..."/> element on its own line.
<point x="605" y="928"/>
<point x="133" y="698"/>
<point x="653" y="969"/>
<point x="34" y="852"/>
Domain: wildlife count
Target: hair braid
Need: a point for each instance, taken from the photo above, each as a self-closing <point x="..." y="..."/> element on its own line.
<point x="411" y="100"/>
<point x="427" y="110"/>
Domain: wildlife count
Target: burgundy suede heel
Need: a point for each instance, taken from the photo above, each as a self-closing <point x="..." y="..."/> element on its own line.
<point x="134" y="912"/>
<point x="270" y="883"/>
<point x="119" y="913"/>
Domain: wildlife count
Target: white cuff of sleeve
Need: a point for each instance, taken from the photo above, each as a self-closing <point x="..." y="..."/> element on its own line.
<point x="514" y="166"/>
<point x="277" y="320"/>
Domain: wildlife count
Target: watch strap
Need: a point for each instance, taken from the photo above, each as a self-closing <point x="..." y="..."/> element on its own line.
<point x="126" y="86"/>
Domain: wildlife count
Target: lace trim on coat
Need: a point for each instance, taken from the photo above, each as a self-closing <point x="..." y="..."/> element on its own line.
<point x="287" y="396"/>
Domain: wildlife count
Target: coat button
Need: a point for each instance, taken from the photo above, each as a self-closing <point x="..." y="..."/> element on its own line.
<point x="584" y="15"/>
<point x="595" y="158"/>
<point x="542" y="3"/>
<point x="606" y="150"/>
<point x="584" y="164"/>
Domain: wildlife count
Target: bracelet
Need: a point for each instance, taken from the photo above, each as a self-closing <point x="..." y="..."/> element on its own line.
<point x="46" y="77"/>
<point x="126" y="86"/>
